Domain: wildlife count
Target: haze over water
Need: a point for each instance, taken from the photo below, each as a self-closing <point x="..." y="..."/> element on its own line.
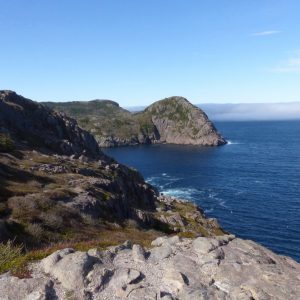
<point x="250" y="185"/>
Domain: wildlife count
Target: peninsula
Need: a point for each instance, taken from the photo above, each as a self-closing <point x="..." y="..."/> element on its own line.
<point x="173" y="120"/>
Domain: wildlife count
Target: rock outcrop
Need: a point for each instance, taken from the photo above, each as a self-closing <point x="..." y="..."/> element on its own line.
<point x="173" y="120"/>
<point x="41" y="127"/>
<point x="179" y="122"/>
<point x="222" y="268"/>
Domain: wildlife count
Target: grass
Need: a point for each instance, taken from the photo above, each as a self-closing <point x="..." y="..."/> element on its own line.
<point x="9" y="254"/>
<point x="187" y="234"/>
<point x="23" y="188"/>
<point x="13" y="258"/>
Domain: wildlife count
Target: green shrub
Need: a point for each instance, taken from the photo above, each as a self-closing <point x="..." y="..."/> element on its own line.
<point x="6" y="143"/>
<point x="9" y="253"/>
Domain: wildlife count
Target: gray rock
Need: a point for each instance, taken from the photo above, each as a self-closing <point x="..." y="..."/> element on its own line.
<point x="98" y="278"/>
<point x="94" y="253"/>
<point x="124" y="281"/>
<point x="202" y="245"/>
<point x="69" y="269"/>
<point x="159" y="241"/>
<point x="173" y="240"/>
<point x="138" y="253"/>
<point x="50" y="261"/>
<point x="159" y="253"/>
<point x="13" y="288"/>
<point x="143" y="293"/>
<point x="192" y="294"/>
<point x="174" y="279"/>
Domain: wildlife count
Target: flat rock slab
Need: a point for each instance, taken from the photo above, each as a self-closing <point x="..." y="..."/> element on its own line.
<point x="223" y="268"/>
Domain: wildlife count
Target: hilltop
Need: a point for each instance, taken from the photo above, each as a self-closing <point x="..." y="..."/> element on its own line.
<point x="173" y="120"/>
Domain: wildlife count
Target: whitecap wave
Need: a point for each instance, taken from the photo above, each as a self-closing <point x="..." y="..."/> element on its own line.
<point x="181" y="193"/>
<point x="232" y="143"/>
<point x="162" y="181"/>
<point x="214" y="196"/>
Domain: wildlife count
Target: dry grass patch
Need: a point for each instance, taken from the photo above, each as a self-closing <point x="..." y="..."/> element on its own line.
<point x="14" y="259"/>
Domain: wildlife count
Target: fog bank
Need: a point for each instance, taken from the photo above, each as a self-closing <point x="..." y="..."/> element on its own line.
<point x="252" y="111"/>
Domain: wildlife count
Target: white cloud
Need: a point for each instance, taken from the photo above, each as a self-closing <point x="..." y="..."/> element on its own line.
<point x="291" y="65"/>
<point x="268" y="32"/>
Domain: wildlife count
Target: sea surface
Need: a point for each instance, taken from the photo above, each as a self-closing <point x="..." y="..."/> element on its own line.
<point x="251" y="185"/>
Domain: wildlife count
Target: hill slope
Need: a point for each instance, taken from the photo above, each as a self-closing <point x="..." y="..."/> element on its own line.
<point x="57" y="185"/>
<point x="173" y="120"/>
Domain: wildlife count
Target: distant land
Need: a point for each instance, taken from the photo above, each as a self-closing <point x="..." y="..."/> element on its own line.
<point x="172" y="120"/>
<point x="247" y="111"/>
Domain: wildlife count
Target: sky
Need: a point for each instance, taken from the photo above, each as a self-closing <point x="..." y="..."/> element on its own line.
<point x="138" y="51"/>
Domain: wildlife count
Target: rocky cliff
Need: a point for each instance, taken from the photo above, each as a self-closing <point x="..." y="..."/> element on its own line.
<point x="54" y="179"/>
<point x="179" y="122"/>
<point x="41" y="127"/>
<point x="172" y="120"/>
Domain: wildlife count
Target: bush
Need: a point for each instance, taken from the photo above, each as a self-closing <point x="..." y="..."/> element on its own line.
<point x="23" y="208"/>
<point x="6" y="143"/>
<point x="35" y="230"/>
<point x="52" y="220"/>
<point x="15" y="260"/>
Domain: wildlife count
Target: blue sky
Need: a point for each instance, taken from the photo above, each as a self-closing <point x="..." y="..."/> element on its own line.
<point x="138" y="51"/>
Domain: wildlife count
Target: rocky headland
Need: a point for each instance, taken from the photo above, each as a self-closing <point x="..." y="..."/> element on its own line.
<point x="173" y="120"/>
<point x="75" y="224"/>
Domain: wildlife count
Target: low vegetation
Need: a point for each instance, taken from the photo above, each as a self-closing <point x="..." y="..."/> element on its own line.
<point x="6" y="143"/>
<point x="9" y="254"/>
<point x="16" y="259"/>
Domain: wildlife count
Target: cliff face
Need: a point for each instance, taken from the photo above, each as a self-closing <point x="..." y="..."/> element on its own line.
<point x="41" y="127"/>
<point x="179" y="122"/>
<point x="173" y="120"/>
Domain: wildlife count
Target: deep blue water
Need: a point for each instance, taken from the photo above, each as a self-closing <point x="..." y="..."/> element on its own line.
<point x="251" y="185"/>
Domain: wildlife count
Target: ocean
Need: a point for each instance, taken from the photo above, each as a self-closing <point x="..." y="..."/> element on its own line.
<point x="251" y="185"/>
